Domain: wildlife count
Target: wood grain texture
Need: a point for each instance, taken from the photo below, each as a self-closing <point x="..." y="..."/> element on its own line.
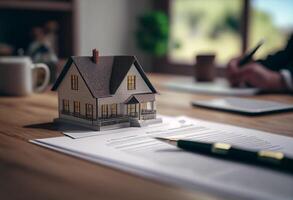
<point x="28" y="171"/>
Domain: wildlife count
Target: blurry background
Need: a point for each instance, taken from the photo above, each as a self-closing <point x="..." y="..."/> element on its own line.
<point x="165" y="35"/>
<point x="215" y="25"/>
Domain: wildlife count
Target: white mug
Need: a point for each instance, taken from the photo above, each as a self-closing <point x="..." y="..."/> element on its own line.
<point x="19" y="77"/>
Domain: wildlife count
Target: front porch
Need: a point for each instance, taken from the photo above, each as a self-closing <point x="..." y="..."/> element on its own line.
<point x="134" y="111"/>
<point x="141" y="106"/>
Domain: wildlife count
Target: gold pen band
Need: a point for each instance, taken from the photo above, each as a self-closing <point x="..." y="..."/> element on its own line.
<point x="274" y="155"/>
<point x="221" y="148"/>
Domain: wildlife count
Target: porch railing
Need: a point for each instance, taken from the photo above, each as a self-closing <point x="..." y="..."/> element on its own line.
<point x="77" y="115"/>
<point x="145" y="114"/>
<point x="148" y="112"/>
<point x="112" y="121"/>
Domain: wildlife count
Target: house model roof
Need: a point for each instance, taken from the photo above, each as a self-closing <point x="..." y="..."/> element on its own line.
<point x="104" y="77"/>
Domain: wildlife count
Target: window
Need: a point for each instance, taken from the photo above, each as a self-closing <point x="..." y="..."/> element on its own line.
<point x="271" y="20"/>
<point x="131" y="82"/>
<point x="147" y="105"/>
<point x="89" y="111"/>
<point x="131" y="109"/>
<point x="114" y="109"/>
<point x="104" y="109"/>
<point x="227" y="28"/>
<point x="143" y="106"/>
<point x="74" y="82"/>
<point x="204" y="26"/>
<point x="76" y="107"/>
<point x="65" y="105"/>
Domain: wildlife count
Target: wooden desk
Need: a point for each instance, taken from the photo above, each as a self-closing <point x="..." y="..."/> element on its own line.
<point x="28" y="171"/>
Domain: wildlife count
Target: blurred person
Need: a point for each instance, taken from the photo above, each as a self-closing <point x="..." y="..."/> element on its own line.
<point x="274" y="73"/>
<point x="41" y="49"/>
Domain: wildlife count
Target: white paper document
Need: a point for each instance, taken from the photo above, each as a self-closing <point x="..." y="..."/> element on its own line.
<point x="134" y="150"/>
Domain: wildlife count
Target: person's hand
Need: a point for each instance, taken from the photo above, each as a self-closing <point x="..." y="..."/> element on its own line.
<point x="258" y="76"/>
<point x="232" y="72"/>
<point x="255" y="75"/>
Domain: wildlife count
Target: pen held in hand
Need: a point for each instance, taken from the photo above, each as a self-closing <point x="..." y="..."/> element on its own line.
<point x="249" y="55"/>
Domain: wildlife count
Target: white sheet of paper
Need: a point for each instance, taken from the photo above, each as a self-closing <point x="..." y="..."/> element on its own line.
<point x="82" y="132"/>
<point x="218" y="87"/>
<point x="136" y="151"/>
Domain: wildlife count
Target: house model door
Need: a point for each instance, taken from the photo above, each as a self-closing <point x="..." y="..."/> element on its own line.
<point x="132" y="110"/>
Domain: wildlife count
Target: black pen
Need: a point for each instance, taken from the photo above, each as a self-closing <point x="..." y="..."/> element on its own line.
<point x="271" y="159"/>
<point x="248" y="56"/>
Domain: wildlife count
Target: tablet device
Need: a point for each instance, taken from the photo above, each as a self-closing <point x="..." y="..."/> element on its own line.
<point x="244" y="106"/>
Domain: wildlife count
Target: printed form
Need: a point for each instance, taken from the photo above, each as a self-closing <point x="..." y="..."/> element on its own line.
<point x="136" y="151"/>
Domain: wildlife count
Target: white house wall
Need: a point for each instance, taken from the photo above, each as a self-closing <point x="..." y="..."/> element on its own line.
<point x="82" y="95"/>
<point x="122" y="94"/>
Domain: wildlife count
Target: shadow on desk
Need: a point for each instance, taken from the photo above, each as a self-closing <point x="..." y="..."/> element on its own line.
<point x="55" y="127"/>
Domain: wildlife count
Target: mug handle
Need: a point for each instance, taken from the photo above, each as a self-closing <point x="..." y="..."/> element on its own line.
<point x="44" y="67"/>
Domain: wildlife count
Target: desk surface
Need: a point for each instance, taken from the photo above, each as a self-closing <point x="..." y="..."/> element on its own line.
<point x="28" y="171"/>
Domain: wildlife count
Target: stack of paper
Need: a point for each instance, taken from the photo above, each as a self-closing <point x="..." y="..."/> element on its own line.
<point x="134" y="150"/>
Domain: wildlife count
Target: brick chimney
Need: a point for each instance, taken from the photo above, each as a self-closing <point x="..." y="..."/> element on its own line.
<point x="95" y="56"/>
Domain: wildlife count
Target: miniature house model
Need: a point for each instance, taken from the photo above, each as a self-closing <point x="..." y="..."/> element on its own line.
<point x="105" y="92"/>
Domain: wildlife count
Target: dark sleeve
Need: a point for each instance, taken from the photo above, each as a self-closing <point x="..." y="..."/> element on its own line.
<point x="280" y="60"/>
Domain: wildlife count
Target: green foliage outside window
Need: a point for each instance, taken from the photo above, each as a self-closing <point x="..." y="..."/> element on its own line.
<point x="153" y="33"/>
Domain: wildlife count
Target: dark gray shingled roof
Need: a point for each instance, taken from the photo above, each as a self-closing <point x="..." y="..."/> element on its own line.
<point x="104" y="78"/>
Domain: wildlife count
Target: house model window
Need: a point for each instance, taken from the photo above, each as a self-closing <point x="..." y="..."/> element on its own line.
<point x="114" y="110"/>
<point x="131" y="82"/>
<point x="74" y="82"/>
<point x="143" y="106"/>
<point x="104" y="111"/>
<point x="106" y="92"/>
<point x="131" y="109"/>
<point x="89" y="111"/>
<point x="76" y="107"/>
<point x="65" y="105"/>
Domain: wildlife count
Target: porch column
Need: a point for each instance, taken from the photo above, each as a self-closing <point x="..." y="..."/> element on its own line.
<point x="138" y="111"/>
<point x="152" y="105"/>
